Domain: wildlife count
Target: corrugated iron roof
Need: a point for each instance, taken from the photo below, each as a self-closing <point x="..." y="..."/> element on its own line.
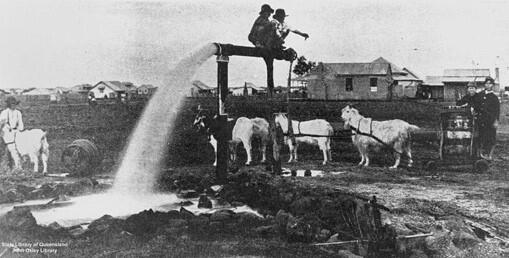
<point x="148" y="86"/>
<point x="116" y="85"/>
<point x="394" y="68"/>
<point x="433" y="81"/>
<point x="357" y="68"/>
<point x="466" y="72"/>
<point x="40" y="91"/>
<point x="464" y="79"/>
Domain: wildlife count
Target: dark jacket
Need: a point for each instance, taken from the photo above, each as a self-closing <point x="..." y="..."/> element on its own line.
<point x="473" y="101"/>
<point x="488" y="108"/>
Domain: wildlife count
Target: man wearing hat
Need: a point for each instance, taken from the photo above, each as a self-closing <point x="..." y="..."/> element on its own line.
<point x="13" y="119"/>
<point x="280" y="31"/>
<point x="489" y="113"/>
<point x="261" y="27"/>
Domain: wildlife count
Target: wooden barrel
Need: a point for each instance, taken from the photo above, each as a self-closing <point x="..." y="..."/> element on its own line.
<point x="81" y="158"/>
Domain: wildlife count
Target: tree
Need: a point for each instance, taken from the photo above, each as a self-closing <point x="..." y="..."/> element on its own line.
<point x="303" y="66"/>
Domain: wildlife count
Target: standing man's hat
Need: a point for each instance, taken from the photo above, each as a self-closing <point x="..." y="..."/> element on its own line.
<point x="11" y="101"/>
<point x="280" y="13"/>
<point x="266" y="9"/>
<point x="489" y="79"/>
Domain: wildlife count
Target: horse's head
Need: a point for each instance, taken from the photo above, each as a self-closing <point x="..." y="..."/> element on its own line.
<point x="348" y="113"/>
<point x="281" y="119"/>
<point x="201" y="120"/>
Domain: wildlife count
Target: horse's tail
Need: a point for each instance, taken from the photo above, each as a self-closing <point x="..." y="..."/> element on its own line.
<point x="44" y="144"/>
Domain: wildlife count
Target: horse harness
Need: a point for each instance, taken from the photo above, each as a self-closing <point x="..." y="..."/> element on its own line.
<point x="358" y="131"/>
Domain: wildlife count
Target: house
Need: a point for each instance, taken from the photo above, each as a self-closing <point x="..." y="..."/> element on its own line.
<point x="81" y="89"/>
<point x="248" y="89"/>
<point x="146" y="90"/>
<point x="41" y="94"/>
<point x="341" y="81"/>
<point x="379" y="79"/>
<point x="432" y="88"/>
<point x="405" y="81"/>
<point x="112" y="90"/>
<point x="456" y="81"/>
<point x="200" y="89"/>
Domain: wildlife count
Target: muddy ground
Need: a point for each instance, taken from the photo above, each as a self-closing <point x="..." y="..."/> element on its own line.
<point x="457" y="213"/>
<point x="445" y="212"/>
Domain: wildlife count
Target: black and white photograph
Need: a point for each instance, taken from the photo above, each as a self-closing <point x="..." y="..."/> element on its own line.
<point x="292" y="128"/>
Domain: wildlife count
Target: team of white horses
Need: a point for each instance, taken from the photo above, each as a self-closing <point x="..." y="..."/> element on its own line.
<point x="367" y="135"/>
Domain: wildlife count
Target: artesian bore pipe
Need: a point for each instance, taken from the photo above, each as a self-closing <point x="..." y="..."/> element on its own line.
<point x="233" y="50"/>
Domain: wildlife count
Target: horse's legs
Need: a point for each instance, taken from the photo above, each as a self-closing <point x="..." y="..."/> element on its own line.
<point x="366" y="156"/>
<point x="291" y="148"/>
<point x="366" y="160"/>
<point x="264" y="149"/>
<point x="247" y="146"/>
<point x="34" y="159"/>
<point x="409" y="154"/>
<point x="44" y="159"/>
<point x="323" y="148"/>
<point x="329" y="153"/>
<point x="233" y="150"/>
<point x="397" y="150"/>
<point x="361" y="153"/>
<point x="213" y="142"/>
<point x="295" y="158"/>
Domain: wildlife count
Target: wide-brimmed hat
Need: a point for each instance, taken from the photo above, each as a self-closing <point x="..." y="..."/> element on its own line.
<point x="280" y="13"/>
<point x="11" y="101"/>
<point x="489" y="79"/>
<point x="266" y="9"/>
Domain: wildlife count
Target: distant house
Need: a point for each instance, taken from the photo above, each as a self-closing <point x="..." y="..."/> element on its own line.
<point x="456" y="81"/>
<point x="112" y="90"/>
<point x="146" y="90"/>
<point x="338" y="81"/>
<point x="200" y="89"/>
<point x="379" y="79"/>
<point x="299" y="82"/>
<point x="41" y="94"/>
<point x="246" y="90"/>
<point x="405" y="81"/>
<point x="81" y="89"/>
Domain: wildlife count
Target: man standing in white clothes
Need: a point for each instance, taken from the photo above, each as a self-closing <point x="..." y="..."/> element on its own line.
<point x="13" y="123"/>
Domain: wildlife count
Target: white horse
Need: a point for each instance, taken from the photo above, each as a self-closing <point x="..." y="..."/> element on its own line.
<point x="31" y="143"/>
<point x="319" y="129"/>
<point x="393" y="133"/>
<point x="243" y="131"/>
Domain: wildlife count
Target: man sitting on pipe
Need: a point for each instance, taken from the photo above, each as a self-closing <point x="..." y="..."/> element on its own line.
<point x="270" y="34"/>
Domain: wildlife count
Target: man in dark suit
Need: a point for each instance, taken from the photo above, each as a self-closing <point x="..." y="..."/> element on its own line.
<point x="488" y="117"/>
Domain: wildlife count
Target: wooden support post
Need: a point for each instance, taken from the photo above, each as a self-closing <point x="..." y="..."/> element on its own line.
<point x="222" y="142"/>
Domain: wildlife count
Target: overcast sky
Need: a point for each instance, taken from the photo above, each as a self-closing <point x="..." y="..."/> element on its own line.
<point x="67" y="42"/>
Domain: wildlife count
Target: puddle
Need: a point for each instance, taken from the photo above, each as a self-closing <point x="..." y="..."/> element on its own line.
<point x="302" y="172"/>
<point x="84" y="209"/>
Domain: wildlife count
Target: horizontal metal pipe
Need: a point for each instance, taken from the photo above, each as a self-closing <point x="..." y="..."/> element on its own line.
<point x="233" y="50"/>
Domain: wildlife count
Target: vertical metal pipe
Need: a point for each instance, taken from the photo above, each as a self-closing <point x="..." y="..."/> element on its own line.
<point x="290" y="125"/>
<point x="222" y="142"/>
<point x="269" y="62"/>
